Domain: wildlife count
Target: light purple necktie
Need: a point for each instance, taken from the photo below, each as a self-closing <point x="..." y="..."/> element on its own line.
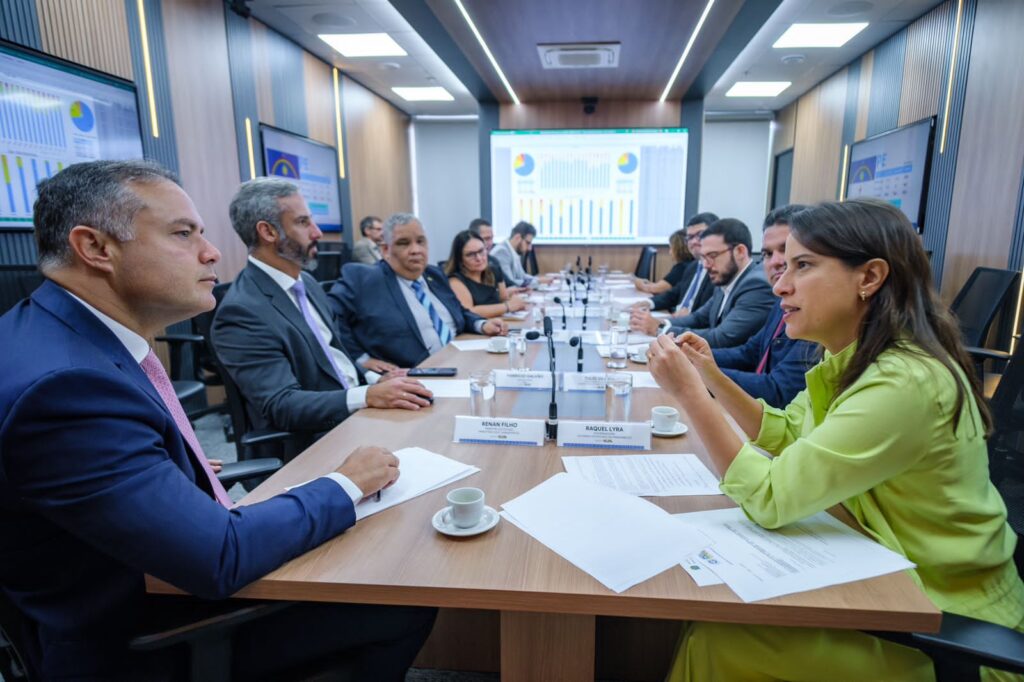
<point x="299" y="289"/>
<point x="162" y="383"/>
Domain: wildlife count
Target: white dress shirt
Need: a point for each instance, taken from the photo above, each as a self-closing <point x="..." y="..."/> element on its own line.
<point x="422" y="317"/>
<point x="727" y="289"/>
<point x="138" y="348"/>
<point x="355" y="399"/>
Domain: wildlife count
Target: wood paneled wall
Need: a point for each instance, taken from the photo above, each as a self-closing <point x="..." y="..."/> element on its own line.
<point x="552" y="257"/>
<point x="379" y="168"/>
<point x="204" y="122"/>
<point x="89" y="32"/>
<point x="611" y="114"/>
<point x="991" y="152"/>
<point x="817" y="141"/>
<point x="785" y="129"/>
<point x="926" y="66"/>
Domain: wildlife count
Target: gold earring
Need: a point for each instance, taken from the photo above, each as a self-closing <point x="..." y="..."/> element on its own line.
<point x="863" y="295"/>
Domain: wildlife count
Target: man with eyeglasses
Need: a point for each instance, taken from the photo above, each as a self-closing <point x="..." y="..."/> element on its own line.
<point x="742" y="297"/>
<point x="367" y="249"/>
<point x="686" y="283"/>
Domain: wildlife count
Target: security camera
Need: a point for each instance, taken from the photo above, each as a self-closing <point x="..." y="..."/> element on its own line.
<point x="589" y="105"/>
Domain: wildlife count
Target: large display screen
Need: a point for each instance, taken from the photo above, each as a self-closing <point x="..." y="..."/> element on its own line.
<point x="893" y="167"/>
<point x="310" y="165"/>
<point x="595" y="186"/>
<point x="54" y="114"/>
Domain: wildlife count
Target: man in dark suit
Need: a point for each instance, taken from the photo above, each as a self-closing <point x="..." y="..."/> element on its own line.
<point x="694" y="288"/>
<point x="742" y="298"/>
<point x="401" y="309"/>
<point x="770" y="365"/>
<point x="103" y="480"/>
<point x="275" y="332"/>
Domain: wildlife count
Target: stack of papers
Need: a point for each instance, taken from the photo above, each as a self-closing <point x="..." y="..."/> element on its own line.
<point x="626" y="299"/>
<point x="447" y="388"/>
<point x="760" y="564"/>
<point x="472" y="344"/>
<point x="619" y="539"/>
<point x="422" y="471"/>
<point x="646" y="475"/>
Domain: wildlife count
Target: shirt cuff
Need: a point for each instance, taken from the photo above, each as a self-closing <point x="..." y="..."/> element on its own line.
<point x="347" y="485"/>
<point x="664" y="326"/>
<point x="478" y="326"/>
<point x="361" y="360"/>
<point x="355" y="398"/>
<point x="371" y="377"/>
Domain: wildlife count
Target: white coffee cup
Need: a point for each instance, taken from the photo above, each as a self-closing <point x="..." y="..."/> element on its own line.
<point x="498" y="344"/>
<point x="466" y="507"/>
<point x="664" y="418"/>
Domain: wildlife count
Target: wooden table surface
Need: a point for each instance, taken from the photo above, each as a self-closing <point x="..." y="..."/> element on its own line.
<point x="396" y="557"/>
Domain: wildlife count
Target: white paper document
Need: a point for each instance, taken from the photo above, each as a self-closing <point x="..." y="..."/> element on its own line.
<point x="643" y="380"/>
<point x="447" y="388"/>
<point x="816" y="552"/>
<point x="619" y="539"/>
<point x="422" y="471"/>
<point x="626" y="299"/>
<point x="646" y="475"/>
<point x="471" y="344"/>
<point x="698" y="566"/>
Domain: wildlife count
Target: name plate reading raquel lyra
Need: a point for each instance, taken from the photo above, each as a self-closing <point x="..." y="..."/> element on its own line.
<point x="500" y="430"/>
<point x="607" y="435"/>
<point x="592" y="382"/>
<point x="522" y="380"/>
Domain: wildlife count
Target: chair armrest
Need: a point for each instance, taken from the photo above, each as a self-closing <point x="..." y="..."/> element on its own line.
<point x="250" y="468"/>
<point x="264" y="436"/>
<point x="215" y="625"/>
<point x="982" y="354"/>
<point x="181" y="338"/>
<point x="969" y="641"/>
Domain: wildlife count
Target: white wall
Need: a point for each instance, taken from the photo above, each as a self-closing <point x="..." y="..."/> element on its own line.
<point x="447" y="180"/>
<point x="734" y="171"/>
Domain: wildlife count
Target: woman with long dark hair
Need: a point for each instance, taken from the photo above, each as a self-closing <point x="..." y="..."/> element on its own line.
<point x="892" y="426"/>
<point x="475" y="284"/>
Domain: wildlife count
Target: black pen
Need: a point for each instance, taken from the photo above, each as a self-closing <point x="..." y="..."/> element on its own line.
<point x="377" y="497"/>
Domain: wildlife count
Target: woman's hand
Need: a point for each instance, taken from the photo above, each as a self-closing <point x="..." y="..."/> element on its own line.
<point x="672" y="369"/>
<point x="515" y="303"/>
<point x="698" y="351"/>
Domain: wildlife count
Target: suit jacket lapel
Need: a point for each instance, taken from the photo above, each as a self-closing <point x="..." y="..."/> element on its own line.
<point x="391" y="281"/>
<point x="445" y="300"/>
<point x="319" y="300"/>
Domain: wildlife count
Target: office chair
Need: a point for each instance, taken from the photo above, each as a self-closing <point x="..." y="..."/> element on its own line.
<point x="17" y="282"/>
<point x="980" y="300"/>
<point x="530" y="263"/>
<point x="331" y="257"/>
<point x="645" y="264"/>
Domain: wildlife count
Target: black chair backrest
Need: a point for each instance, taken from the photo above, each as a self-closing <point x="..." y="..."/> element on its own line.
<point x="530" y="262"/>
<point x="328" y="266"/>
<point x="237" y="410"/>
<point x="645" y="265"/>
<point x="17" y="282"/>
<point x="980" y="299"/>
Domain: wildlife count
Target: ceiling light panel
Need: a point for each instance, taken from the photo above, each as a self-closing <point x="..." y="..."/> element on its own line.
<point x="363" y="44"/>
<point x="757" y="88"/>
<point x="427" y="94"/>
<point x="819" y="35"/>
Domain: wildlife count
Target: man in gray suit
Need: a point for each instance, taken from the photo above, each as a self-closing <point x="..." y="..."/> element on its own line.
<point x="367" y="249"/>
<point x="742" y="299"/>
<point x="275" y="332"/>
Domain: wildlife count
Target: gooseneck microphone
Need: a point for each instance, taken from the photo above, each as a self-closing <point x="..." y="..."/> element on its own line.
<point x="568" y="282"/>
<point x="574" y="342"/>
<point x="552" y="421"/>
<point x="585" y="300"/>
<point x="558" y="300"/>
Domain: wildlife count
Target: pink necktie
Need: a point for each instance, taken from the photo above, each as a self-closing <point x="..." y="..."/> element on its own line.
<point x="767" y="351"/>
<point x="162" y="383"/>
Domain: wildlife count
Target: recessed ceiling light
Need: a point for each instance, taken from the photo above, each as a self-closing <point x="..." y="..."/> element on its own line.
<point x="686" y="50"/>
<point x="487" y="51"/>
<point x="819" y="35"/>
<point x="757" y="88"/>
<point x="431" y="94"/>
<point x="363" y="44"/>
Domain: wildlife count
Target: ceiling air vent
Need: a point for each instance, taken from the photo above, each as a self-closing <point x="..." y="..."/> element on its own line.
<point x="579" y="55"/>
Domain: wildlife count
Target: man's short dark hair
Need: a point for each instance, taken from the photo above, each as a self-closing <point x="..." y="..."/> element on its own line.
<point x="476" y="223"/>
<point x="706" y="218"/>
<point x="367" y="222"/>
<point x="733" y="232"/>
<point x="782" y="215"/>
<point x="523" y="229"/>
<point x="97" y="194"/>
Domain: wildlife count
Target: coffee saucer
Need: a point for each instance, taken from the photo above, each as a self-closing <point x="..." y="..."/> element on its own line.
<point x="679" y="430"/>
<point x="503" y="351"/>
<point x="488" y="520"/>
<point x="639" y="357"/>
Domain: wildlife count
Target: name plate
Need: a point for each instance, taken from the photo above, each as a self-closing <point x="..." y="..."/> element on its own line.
<point x="499" y="430"/>
<point x="522" y="380"/>
<point x="584" y="381"/>
<point x="608" y="435"/>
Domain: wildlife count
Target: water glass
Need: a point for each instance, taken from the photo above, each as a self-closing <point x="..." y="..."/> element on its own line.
<point x="618" y="391"/>
<point x="481" y="393"/>
<point x="516" y="349"/>
<point x="618" y="347"/>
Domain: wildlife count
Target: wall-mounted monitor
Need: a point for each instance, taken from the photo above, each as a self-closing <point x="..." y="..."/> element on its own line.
<point x="593" y="186"/>
<point x="311" y="165"/>
<point x="893" y="167"/>
<point x="53" y="114"/>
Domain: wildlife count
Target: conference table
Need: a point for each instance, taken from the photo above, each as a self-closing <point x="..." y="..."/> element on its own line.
<point x="547" y="606"/>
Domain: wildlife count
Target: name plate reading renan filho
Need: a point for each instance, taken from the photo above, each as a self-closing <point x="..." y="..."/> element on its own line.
<point x="522" y="380"/>
<point x="501" y="430"/>
<point x="608" y="435"/>
<point x="584" y="381"/>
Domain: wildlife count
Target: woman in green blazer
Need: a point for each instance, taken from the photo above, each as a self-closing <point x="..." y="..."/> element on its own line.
<point x="892" y="426"/>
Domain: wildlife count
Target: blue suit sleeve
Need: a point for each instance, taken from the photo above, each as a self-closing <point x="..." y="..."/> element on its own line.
<point x="786" y="379"/>
<point x="344" y="301"/>
<point x="101" y="470"/>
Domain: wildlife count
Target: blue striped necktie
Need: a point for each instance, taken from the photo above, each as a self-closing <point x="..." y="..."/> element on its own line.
<point x="444" y="332"/>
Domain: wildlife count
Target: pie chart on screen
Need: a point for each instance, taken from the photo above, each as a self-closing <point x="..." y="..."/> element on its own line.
<point x="627" y="162"/>
<point x="82" y="117"/>
<point x="523" y="164"/>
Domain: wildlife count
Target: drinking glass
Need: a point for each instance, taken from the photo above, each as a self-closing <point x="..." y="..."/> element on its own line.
<point x="618" y="391"/>
<point x="481" y="393"/>
<point x="516" y="349"/>
<point x="618" y="346"/>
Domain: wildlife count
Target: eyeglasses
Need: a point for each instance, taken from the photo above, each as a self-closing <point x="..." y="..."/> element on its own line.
<point x="713" y="256"/>
<point x="695" y="237"/>
<point x="475" y="254"/>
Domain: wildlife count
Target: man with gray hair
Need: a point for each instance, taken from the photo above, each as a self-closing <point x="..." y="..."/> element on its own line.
<point x="104" y="480"/>
<point x="275" y="332"/>
<point x="401" y="310"/>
